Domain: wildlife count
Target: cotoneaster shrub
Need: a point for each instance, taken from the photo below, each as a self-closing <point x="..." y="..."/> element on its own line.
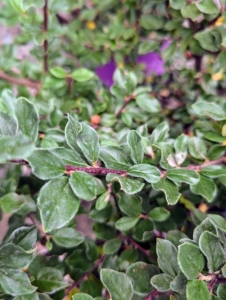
<point x="115" y="118"/>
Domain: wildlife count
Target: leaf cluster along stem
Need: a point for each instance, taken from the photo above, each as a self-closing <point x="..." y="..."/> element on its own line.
<point x="80" y="280"/>
<point x="127" y="100"/>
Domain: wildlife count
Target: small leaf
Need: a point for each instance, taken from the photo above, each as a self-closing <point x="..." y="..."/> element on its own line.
<point x="17" y="147"/>
<point x="150" y="173"/>
<point x="58" y="72"/>
<point x="49" y="280"/>
<point x="159" y="214"/>
<point x="11" y="202"/>
<point x="161" y="282"/>
<point x="112" y="246"/>
<point x="147" y="103"/>
<point x="167" y="257"/>
<point x="25" y="237"/>
<point x="207" y="7"/>
<point x="159" y="134"/>
<point x="211" y="247"/>
<point x="28" y="118"/>
<point x="126" y="223"/>
<point x="181" y="145"/>
<point x="82" y="75"/>
<point x="213" y="171"/>
<point x="210" y="109"/>
<point x="141" y="272"/>
<point x="221" y="291"/>
<point x="179" y="283"/>
<point x="191" y="260"/>
<point x="177" y="4"/>
<point x="88" y="142"/>
<point x="57" y="203"/>
<point x="197" y="148"/>
<point x="130" y="205"/>
<point x="45" y="164"/>
<point x="197" y="290"/>
<point x="130" y="186"/>
<point x="118" y="284"/>
<point x="143" y="230"/>
<point x="84" y="185"/>
<point x="8" y="125"/>
<point x="115" y="158"/>
<point x="206" y="225"/>
<point x="72" y="129"/>
<point x="205" y="187"/>
<point x="68" y="237"/>
<point x="17" y="6"/>
<point x="102" y="201"/>
<point x="13" y="256"/>
<point x="15" y="282"/>
<point x="136" y="147"/>
<point x="169" y="189"/>
<point x="183" y="175"/>
<point x="70" y="157"/>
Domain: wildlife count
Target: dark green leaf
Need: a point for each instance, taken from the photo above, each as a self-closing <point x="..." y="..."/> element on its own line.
<point x="207" y="7"/>
<point x="49" y="280"/>
<point x="15" y="282"/>
<point x="126" y="223"/>
<point x="88" y="142"/>
<point x="159" y="214"/>
<point x="70" y="157"/>
<point x="213" y="171"/>
<point x="68" y="237"/>
<point x="211" y="247"/>
<point x="17" y="147"/>
<point x="85" y="186"/>
<point x="118" y="284"/>
<point x="130" y="205"/>
<point x="58" y="72"/>
<point x="45" y="164"/>
<point x="130" y="186"/>
<point x="197" y="290"/>
<point x="28" y="118"/>
<point x="82" y="296"/>
<point x="183" y="175"/>
<point x="72" y="129"/>
<point x="149" y="173"/>
<point x="197" y="148"/>
<point x="112" y="246"/>
<point x="141" y="273"/>
<point x="143" y="230"/>
<point x="82" y="75"/>
<point x="115" y="158"/>
<point x="191" y="260"/>
<point x="136" y="147"/>
<point x="57" y="203"/>
<point x="161" y="282"/>
<point x="8" y="125"/>
<point x="205" y="187"/>
<point x="11" y="202"/>
<point x="167" y="257"/>
<point x="169" y="189"/>
<point x="210" y="109"/>
<point x="147" y="103"/>
<point x="25" y="237"/>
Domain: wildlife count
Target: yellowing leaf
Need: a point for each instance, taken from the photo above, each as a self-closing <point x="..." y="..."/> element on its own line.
<point x="91" y="25"/>
<point x="217" y="76"/>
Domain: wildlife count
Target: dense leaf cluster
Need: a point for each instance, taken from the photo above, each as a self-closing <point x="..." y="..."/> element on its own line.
<point x="112" y="150"/>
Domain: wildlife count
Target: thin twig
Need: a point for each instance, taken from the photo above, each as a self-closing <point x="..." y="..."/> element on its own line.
<point x="20" y="81"/>
<point x="156" y="293"/>
<point x="197" y="168"/>
<point x="45" y="29"/>
<point x="127" y="100"/>
<point x="80" y="280"/>
<point x="137" y="246"/>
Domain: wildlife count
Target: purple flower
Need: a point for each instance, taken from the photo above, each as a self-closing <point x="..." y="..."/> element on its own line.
<point x="106" y="72"/>
<point x="152" y="61"/>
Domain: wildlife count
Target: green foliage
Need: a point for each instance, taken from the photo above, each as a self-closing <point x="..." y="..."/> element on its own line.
<point x="112" y="150"/>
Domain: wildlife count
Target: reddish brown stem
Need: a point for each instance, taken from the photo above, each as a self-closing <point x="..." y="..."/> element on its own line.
<point x="94" y="170"/>
<point x="80" y="280"/>
<point x="127" y="100"/>
<point x="45" y="29"/>
<point x="20" y="81"/>
<point x="137" y="246"/>
<point x="218" y="161"/>
<point x="154" y="294"/>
